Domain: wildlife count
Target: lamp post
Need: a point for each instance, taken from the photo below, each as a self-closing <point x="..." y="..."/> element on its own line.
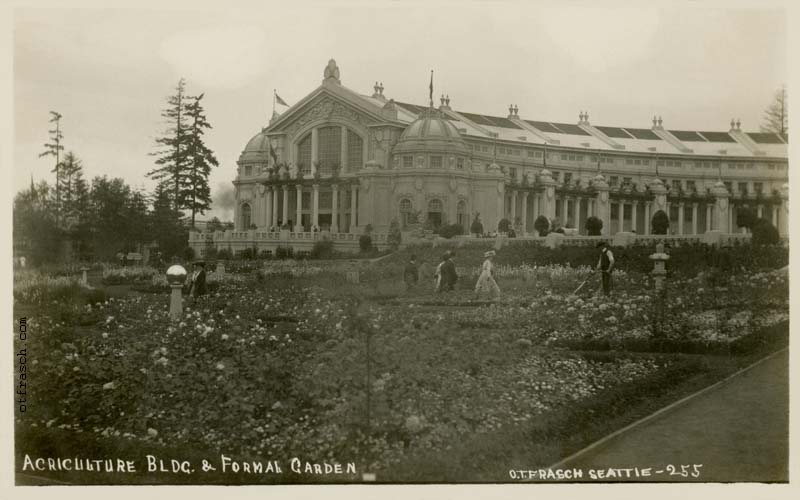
<point x="176" y="277"/>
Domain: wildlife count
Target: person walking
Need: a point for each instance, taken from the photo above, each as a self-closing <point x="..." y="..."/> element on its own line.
<point x="411" y="273"/>
<point x="486" y="282"/>
<point x="449" y="273"/>
<point x="197" y="287"/>
<point x="605" y="265"/>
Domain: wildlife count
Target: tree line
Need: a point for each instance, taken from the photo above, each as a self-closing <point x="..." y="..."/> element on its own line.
<point x="77" y="219"/>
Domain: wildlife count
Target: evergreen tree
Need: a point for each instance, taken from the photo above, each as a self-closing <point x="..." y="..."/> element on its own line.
<point x="54" y="149"/>
<point x="196" y="193"/>
<point x="776" y="117"/>
<point x="109" y="217"/>
<point x="165" y="224"/>
<point x="36" y="235"/>
<point x="71" y="169"/>
<point x="171" y="157"/>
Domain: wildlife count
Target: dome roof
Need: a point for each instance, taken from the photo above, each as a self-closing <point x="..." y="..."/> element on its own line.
<point x="431" y="132"/>
<point x="257" y="148"/>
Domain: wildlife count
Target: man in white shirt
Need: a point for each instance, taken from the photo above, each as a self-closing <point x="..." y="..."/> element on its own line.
<point x="605" y="265"/>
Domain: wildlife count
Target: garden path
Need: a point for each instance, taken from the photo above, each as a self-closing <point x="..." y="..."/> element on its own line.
<point x="738" y="430"/>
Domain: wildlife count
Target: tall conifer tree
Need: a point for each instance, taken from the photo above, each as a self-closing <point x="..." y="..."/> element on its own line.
<point x="171" y="156"/>
<point x="196" y="194"/>
<point x="54" y="149"/>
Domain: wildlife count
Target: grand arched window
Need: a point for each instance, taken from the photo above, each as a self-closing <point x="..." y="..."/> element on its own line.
<point x="435" y="209"/>
<point x="406" y="209"/>
<point x="245" y="212"/>
<point x="330" y="148"/>
<point x="304" y="154"/>
<point x="355" y="151"/>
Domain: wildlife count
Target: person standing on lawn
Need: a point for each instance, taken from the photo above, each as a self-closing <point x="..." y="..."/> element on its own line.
<point x="450" y="275"/>
<point x="438" y="274"/>
<point x="605" y="265"/>
<point x="411" y="273"/>
<point x="486" y="282"/>
<point x="197" y="287"/>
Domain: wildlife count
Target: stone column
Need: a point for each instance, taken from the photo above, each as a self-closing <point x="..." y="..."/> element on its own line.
<point x="535" y="206"/>
<point x="634" y="205"/>
<point x="513" y="206"/>
<point x="269" y="207"/>
<point x="680" y="217"/>
<point x="647" y="217"/>
<point x="621" y="216"/>
<point x="298" y="223"/>
<point x="335" y="209"/>
<point x="775" y="215"/>
<point x="721" y="208"/>
<point x="275" y="206"/>
<point x="524" y="213"/>
<point x="730" y="218"/>
<point x="343" y="156"/>
<point x="760" y="211"/>
<point x="353" y="212"/>
<point x="548" y="208"/>
<point x="564" y="211"/>
<point x="315" y="206"/>
<point x="314" y="150"/>
<point x="285" y="205"/>
<point x="708" y="217"/>
<point x="602" y="203"/>
<point x="783" y="219"/>
<point x="694" y="218"/>
<point x="577" y="212"/>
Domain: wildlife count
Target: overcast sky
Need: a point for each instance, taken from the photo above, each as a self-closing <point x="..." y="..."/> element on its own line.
<point x="109" y="71"/>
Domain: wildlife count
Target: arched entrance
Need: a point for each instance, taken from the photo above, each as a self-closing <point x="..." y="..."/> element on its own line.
<point x="245" y="212"/>
<point x="435" y="208"/>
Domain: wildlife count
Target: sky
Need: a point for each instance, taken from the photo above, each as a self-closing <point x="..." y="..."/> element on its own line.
<point x="108" y="71"/>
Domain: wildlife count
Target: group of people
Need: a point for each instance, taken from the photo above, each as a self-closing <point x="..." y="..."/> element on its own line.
<point x="445" y="276"/>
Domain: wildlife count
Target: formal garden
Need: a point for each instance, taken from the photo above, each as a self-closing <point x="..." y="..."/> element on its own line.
<point x="338" y="361"/>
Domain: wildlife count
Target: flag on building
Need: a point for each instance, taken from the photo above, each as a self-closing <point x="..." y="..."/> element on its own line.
<point x="279" y="100"/>
<point x="430" y="87"/>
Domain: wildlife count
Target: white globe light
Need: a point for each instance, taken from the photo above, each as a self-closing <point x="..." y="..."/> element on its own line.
<point x="176" y="274"/>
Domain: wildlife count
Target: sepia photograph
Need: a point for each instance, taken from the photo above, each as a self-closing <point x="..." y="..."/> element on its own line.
<point x="529" y="244"/>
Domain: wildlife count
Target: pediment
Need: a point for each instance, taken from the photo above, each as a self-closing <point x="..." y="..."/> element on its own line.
<point x="326" y="104"/>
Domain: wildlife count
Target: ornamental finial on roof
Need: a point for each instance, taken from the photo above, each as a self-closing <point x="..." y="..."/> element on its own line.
<point x="738" y="124"/>
<point x="655" y="121"/>
<point x="516" y="111"/>
<point x="659" y="121"/>
<point x="447" y="100"/>
<point x="733" y="125"/>
<point x="331" y="73"/>
<point x="441" y="100"/>
<point x="380" y="88"/>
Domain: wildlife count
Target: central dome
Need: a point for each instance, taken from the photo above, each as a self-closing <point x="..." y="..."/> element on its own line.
<point x="257" y="148"/>
<point x="431" y="132"/>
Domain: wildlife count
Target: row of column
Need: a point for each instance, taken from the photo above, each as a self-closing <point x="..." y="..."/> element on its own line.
<point x="575" y="202"/>
<point x="272" y="197"/>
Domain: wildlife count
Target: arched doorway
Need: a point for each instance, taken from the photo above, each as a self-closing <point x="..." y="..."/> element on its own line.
<point x="245" y="212"/>
<point x="435" y="209"/>
<point x="406" y="209"/>
<point x="461" y="214"/>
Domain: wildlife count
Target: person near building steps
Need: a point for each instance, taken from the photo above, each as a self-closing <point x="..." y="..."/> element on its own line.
<point x="605" y="265"/>
<point x="411" y="273"/>
<point x="197" y="287"/>
<point x="450" y="276"/>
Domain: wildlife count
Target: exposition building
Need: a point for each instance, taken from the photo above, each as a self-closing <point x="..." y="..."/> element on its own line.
<point x="338" y="161"/>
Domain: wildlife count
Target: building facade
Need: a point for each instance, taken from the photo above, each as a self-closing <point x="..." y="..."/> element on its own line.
<point x="338" y="161"/>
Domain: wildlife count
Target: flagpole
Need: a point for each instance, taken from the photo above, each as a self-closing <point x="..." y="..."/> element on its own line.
<point x="430" y="95"/>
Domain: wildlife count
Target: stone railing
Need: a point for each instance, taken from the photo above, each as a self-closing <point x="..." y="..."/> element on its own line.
<point x="286" y="236"/>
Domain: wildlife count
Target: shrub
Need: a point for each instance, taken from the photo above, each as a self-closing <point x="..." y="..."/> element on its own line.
<point x="247" y="253"/>
<point x="476" y="227"/>
<point x="541" y="224"/>
<point x="224" y="254"/>
<point x="450" y="230"/>
<point x="395" y="237"/>
<point x="594" y="226"/>
<point x="504" y="225"/>
<point x="188" y="253"/>
<point x="764" y="233"/>
<point x="365" y="242"/>
<point x="660" y="222"/>
<point x="284" y="253"/>
<point x="747" y="217"/>
<point x="322" y="249"/>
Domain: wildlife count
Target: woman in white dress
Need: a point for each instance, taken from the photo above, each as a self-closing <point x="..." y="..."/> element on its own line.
<point x="486" y="282"/>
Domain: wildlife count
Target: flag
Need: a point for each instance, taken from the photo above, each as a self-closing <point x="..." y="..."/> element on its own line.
<point x="273" y="155"/>
<point x="279" y="100"/>
<point x="431" y="89"/>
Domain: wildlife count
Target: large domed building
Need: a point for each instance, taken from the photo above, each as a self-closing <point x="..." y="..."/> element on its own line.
<point x="339" y="161"/>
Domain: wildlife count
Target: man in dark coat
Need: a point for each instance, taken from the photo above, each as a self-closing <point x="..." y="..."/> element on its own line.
<point x="449" y="275"/>
<point x="197" y="287"/>
<point x="605" y="265"/>
<point x="411" y="272"/>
